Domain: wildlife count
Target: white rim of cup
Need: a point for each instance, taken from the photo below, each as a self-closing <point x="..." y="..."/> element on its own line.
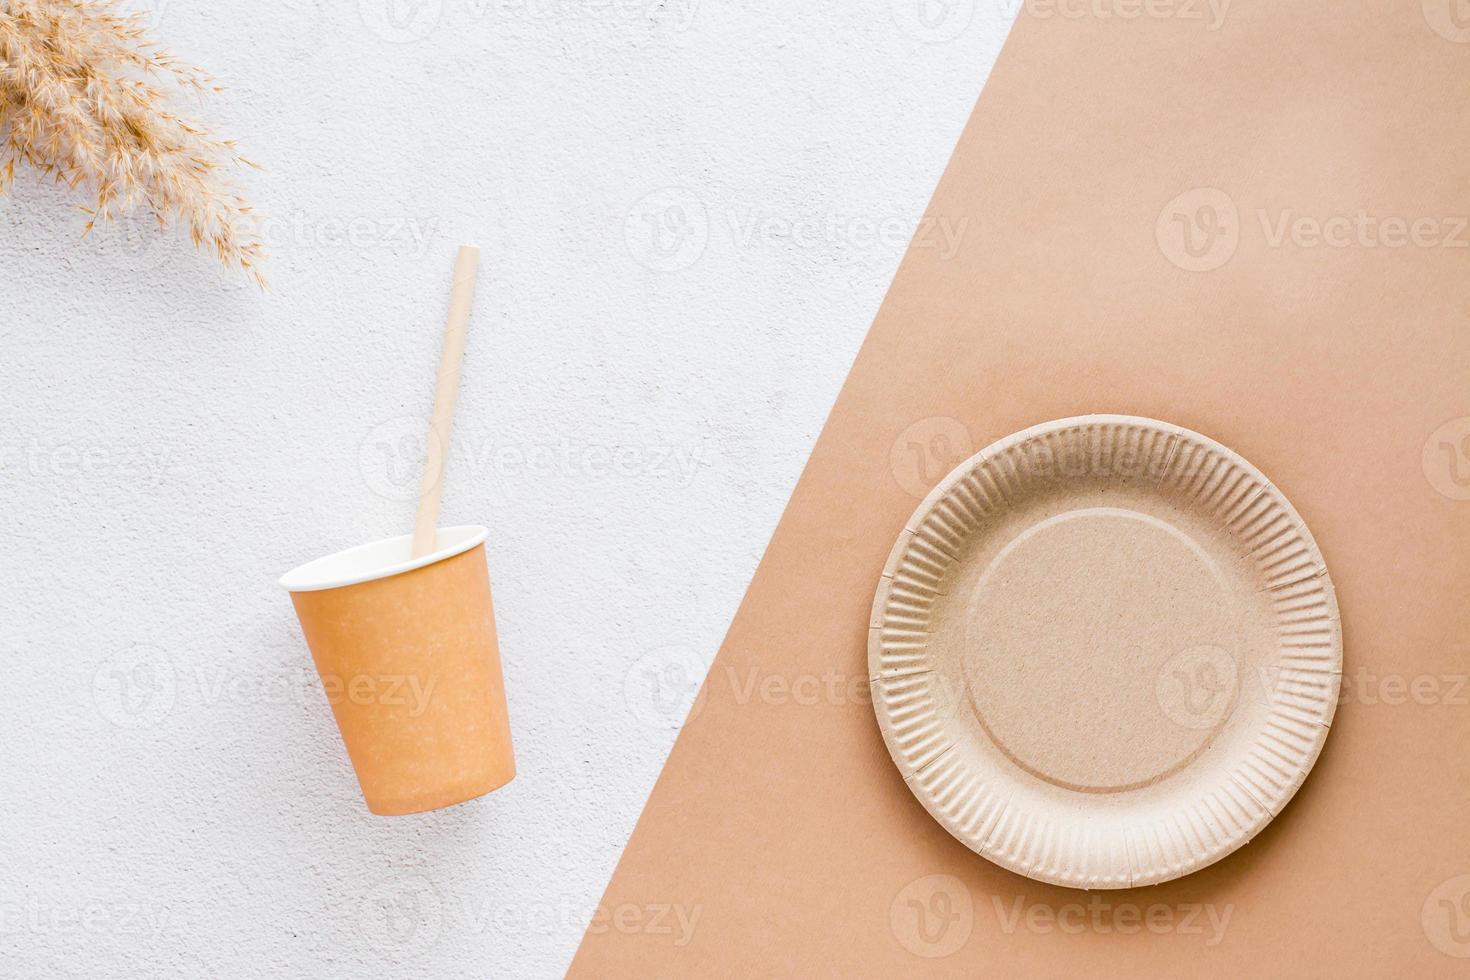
<point x="379" y="559"/>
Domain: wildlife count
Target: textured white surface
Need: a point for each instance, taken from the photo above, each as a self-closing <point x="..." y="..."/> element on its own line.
<point x="689" y="212"/>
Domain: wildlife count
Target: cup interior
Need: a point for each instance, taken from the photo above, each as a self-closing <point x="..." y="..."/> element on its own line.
<point x="380" y="559"/>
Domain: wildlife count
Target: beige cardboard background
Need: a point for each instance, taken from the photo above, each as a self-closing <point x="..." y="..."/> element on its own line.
<point x="780" y="826"/>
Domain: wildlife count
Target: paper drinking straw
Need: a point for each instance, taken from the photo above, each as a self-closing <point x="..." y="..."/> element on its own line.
<point x="437" y="450"/>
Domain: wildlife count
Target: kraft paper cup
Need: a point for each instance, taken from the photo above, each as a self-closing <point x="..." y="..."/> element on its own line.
<point x="407" y="654"/>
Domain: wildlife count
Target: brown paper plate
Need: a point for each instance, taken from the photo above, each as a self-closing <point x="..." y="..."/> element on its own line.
<point x="1105" y="652"/>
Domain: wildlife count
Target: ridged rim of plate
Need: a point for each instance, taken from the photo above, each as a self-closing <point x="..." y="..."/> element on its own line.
<point x="1193" y="468"/>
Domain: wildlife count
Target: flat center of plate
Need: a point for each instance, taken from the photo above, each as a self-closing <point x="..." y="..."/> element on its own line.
<point x="1075" y="634"/>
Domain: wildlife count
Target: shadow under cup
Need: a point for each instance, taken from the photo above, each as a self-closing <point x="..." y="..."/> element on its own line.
<point x="408" y="658"/>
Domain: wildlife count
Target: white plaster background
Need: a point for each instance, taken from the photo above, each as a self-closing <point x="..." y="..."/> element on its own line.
<point x="636" y="408"/>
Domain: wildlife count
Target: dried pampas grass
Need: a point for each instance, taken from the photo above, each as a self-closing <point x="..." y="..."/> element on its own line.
<point x="82" y="98"/>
